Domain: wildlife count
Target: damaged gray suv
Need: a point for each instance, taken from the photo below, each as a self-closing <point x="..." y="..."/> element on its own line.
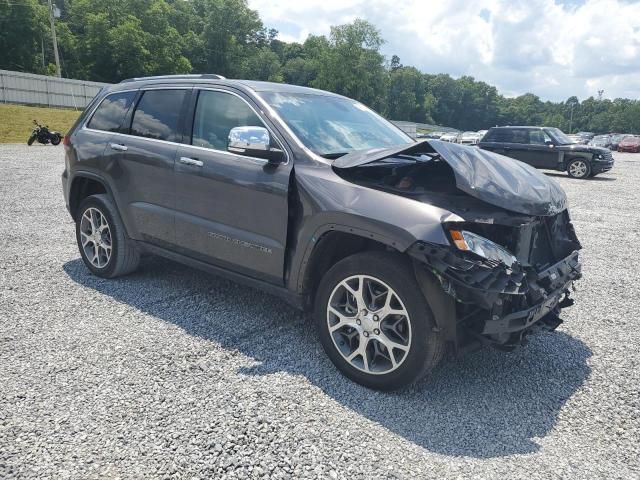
<point x="402" y="250"/>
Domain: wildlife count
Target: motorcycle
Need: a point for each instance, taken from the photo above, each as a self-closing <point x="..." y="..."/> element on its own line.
<point x="44" y="135"/>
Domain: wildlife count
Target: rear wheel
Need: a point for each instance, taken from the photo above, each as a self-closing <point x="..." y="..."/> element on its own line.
<point x="374" y="323"/>
<point x="103" y="243"/>
<point x="55" y="139"/>
<point x="578" y="168"/>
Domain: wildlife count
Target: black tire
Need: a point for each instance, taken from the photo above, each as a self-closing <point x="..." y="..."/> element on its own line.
<point x="426" y="347"/>
<point x="585" y="168"/>
<point x="124" y="257"/>
<point x="31" y="140"/>
<point x="55" y="139"/>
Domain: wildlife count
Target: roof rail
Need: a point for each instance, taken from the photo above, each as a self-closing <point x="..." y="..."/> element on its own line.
<point x="204" y="76"/>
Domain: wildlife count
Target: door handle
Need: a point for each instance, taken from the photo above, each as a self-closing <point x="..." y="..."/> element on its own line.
<point x="191" y="161"/>
<point x="118" y="146"/>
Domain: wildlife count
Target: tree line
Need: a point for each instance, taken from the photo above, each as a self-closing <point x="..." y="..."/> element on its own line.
<point x="110" y="40"/>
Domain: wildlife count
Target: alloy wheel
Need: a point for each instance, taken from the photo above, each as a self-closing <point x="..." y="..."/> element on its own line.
<point x="95" y="235"/>
<point x="578" y="169"/>
<point x="369" y="324"/>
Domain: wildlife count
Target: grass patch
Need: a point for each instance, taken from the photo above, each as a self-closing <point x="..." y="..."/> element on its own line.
<point x="16" y="121"/>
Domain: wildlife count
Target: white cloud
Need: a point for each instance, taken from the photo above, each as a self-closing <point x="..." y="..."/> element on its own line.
<point x="542" y="46"/>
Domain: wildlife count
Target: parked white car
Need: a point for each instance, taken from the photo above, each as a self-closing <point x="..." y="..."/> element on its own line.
<point x="469" y="138"/>
<point x="450" y="137"/>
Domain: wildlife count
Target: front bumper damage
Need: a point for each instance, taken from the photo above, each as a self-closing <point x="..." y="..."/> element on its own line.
<point x="492" y="303"/>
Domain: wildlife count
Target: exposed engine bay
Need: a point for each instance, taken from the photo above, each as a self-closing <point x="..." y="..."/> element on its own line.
<point x="507" y="272"/>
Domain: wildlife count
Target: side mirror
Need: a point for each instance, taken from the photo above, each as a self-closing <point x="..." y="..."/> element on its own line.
<point x="254" y="142"/>
<point x="549" y="144"/>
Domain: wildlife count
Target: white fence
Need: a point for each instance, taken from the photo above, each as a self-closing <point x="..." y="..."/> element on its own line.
<point x="32" y="89"/>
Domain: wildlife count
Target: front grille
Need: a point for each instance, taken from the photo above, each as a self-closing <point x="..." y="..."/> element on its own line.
<point x="607" y="156"/>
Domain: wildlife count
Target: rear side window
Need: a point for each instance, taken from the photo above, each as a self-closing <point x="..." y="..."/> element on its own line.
<point x="499" y="135"/>
<point x="520" y="136"/>
<point x="216" y="114"/>
<point x="111" y="112"/>
<point x="157" y="115"/>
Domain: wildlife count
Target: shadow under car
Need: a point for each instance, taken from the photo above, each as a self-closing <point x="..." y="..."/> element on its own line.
<point x="486" y="404"/>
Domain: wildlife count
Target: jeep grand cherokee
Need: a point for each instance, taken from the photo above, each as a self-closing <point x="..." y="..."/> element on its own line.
<point x="401" y="249"/>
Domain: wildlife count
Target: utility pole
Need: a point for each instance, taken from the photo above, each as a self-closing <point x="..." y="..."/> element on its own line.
<point x="55" y="40"/>
<point x="571" y="118"/>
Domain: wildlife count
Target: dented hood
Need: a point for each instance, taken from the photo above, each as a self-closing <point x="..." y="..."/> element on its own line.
<point x="487" y="176"/>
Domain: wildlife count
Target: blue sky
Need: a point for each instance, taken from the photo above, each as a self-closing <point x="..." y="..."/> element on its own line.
<point x="548" y="47"/>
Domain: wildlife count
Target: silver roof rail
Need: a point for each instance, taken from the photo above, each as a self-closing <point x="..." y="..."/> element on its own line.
<point x="203" y="76"/>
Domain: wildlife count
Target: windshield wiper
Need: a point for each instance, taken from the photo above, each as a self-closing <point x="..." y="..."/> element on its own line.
<point x="333" y="155"/>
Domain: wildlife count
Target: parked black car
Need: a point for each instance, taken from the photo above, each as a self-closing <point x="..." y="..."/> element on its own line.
<point x="401" y="249"/>
<point x="603" y="141"/>
<point x="548" y="148"/>
<point x="616" y="138"/>
<point x="586" y="135"/>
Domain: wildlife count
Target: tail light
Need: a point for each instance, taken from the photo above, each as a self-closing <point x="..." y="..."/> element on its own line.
<point x="67" y="140"/>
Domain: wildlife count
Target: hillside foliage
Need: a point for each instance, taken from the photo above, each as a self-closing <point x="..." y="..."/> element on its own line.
<point x="115" y="39"/>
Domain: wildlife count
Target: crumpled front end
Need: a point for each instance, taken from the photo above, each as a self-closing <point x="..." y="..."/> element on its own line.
<point x="500" y="304"/>
<point x="512" y="255"/>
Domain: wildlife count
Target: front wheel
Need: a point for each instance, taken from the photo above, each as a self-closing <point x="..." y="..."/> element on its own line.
<point x="374" y="322"/>
<point x="31" y="140"/>
<point x="579" y="168"/>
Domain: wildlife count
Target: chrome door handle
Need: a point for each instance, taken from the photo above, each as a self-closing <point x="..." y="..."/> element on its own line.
<point x="191" y="161"/>
<point x="117" y="146"/>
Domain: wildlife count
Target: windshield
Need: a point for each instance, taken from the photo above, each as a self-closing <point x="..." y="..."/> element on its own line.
<point x="332" y="126"/>
<point x="559" y="136"/>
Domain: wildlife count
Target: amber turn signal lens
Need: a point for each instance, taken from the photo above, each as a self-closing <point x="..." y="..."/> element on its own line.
<point x="458" y="239"/>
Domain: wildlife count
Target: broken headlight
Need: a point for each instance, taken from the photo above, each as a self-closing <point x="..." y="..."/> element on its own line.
<point x="471" y="242"/>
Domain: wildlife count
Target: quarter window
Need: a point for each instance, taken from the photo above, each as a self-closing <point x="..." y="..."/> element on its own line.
<point x="157" y="115"/>
<point x="111" y="112"/>
<point x="216" y="114"/>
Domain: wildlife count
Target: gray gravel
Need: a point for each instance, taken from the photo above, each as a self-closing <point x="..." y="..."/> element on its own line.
<point x="173" y="373"/>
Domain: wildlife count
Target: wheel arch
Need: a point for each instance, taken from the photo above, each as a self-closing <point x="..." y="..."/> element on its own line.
<point x="570" y="157"/>
<point x="85" y="184"/>
<point x="337" y="242"/>
<point x="332" y="244"/>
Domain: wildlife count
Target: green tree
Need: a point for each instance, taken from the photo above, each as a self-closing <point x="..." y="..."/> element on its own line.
<point x="24" y="28"/>
<point x="111" y="40"/>
<point x="263" y="65"/>
<point x="406" y="95"/>
<point x="352" y="65"/>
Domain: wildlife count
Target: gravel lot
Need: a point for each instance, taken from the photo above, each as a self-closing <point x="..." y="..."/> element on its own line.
<point x="172" y="373"/>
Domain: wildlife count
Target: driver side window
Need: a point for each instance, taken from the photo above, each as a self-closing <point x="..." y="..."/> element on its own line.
<point x="539" y="137"/>
<point x="216" y="114"/>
